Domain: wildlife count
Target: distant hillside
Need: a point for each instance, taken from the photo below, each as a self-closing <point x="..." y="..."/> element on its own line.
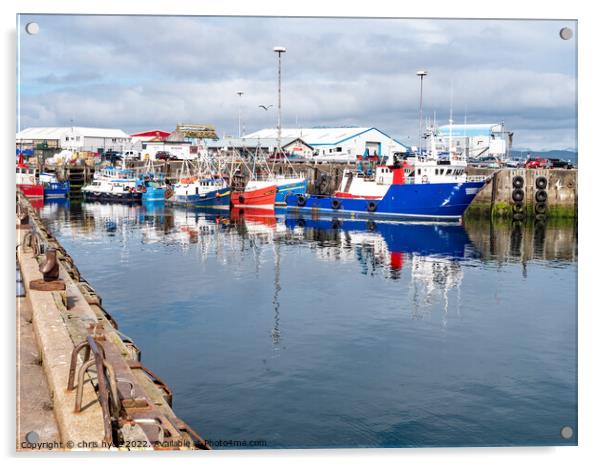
<point x="555" y="154"/>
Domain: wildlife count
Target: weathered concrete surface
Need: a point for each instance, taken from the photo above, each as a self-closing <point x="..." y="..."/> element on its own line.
<point x="56" y="347"/>
<point x="35" y="410"/>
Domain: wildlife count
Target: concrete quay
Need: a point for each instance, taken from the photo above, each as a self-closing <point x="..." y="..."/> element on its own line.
<point x="81" y="384"/>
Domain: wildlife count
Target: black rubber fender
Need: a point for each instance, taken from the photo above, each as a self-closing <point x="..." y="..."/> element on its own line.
<point x="541" y="196"/>
<point x="518" y="182"/>
<point x="541" y="182"/>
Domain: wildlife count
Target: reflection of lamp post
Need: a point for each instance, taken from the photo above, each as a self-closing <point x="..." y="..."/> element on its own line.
<point x="240" y="93"/>
<point x="422" y="74"/>
<point x="279" y="51"/>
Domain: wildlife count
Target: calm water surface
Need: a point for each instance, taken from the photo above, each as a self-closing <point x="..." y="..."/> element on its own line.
<point x="321" y="333"/>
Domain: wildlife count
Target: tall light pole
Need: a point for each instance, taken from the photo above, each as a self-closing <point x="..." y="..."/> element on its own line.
<point x="240" y="94"/>
<point x="422" y="74"/>
<point x="279" y="51"/>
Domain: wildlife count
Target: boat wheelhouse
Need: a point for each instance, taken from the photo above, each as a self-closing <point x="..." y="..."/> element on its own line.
<point x="27" y="181"/>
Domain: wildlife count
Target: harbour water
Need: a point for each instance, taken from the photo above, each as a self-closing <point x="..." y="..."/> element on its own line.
<point x="281" y="332"/>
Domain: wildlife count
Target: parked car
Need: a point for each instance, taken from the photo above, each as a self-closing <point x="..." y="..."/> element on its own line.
<point x="515" y="163"/>
<point x="484" y="162"/>
<point x="559" y="163"/>
<point x="537" y="162"/>
<point x="112" y="156"/>
<point x="164" y="155"/>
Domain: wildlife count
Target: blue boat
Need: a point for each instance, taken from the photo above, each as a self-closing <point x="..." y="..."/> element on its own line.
<point x="213" y="193"/>
<point x="289" y="187"/>
<point x="429" y="189"/>
<point x="54" y="189"/>
<point x="438" y="201"/>
<point x="151" y="183"/>
<point x="152" y="190"/>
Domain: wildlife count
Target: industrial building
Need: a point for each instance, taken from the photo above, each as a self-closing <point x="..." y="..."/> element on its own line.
<point x="295" y="147"/>
<point x="339" y="143"/>
<point x="75" y="138"/>
<point x="475" y="140"/>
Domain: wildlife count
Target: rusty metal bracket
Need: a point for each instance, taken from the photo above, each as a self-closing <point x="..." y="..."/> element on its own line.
<point x="199" y="442"/>
<point x="33" y="240"/>
<point x="105" y="378"/>
<point x="155" y="379"/>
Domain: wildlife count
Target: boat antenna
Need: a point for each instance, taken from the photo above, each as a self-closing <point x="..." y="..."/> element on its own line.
<point x="451" y="115"/>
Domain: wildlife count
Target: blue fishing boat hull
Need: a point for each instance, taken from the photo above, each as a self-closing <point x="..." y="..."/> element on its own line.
<point x="292" y="189"/>
<point x="436" y="201"/>
<point x="59" y="190"/>
<point x="153" y="194"/>
<point x="218" y="199"/>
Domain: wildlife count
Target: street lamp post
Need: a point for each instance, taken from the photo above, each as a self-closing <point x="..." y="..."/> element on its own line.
<point x="279" y="51"/>
<point x="422" y="74"/>
<point x="240" y="94"/>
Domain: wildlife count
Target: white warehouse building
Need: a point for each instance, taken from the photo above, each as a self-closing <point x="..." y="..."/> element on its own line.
<point x="75" y="138"/>
<point x="338" y="144"/>
<point x="476" y="140"/>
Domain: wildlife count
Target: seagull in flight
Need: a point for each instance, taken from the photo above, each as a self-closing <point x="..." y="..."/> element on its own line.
<point x="265" y="108"/>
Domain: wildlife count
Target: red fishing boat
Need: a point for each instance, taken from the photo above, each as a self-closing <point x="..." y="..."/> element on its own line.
<point x="26" y="180"/>
<point x="257" y="195"/>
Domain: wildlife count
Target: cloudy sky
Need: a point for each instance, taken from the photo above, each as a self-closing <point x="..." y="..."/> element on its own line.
<point x="139" y="73"/>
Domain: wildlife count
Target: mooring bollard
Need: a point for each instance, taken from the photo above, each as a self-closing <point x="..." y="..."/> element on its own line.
<point x="50" y="272"/>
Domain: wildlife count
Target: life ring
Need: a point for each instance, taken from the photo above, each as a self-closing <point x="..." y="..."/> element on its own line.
<point x="541" y="182"/>
<point x="335" y="204"/>
<point x="425" y="179"/>
<point x="518" y="182"/>
<point x="541" y="196"/>
<point x="301" y="201"/>
<point x="372" y="206"/>
<point x="518" y="195"/>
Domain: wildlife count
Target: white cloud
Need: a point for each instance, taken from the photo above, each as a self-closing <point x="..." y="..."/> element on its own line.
<point x="139" y="72"/>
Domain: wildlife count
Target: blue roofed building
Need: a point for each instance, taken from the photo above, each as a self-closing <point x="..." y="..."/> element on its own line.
<point x="337" y="143"/>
